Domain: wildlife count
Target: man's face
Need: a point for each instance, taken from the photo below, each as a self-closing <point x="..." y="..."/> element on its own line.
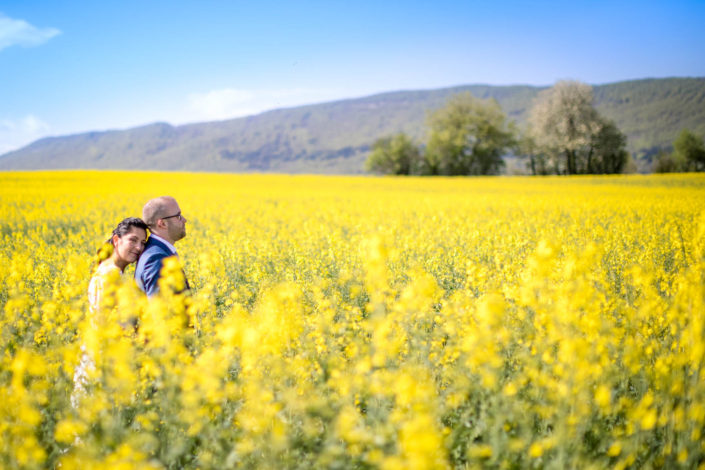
<point x="176" y="226"/>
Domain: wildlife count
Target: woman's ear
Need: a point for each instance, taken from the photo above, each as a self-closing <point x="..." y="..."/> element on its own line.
<point x="115" y="239"/>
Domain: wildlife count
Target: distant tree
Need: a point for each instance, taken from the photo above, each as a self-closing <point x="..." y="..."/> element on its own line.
<point x="538" y="162"/>
<point x="607" y="151"/>
<point x="665" y="163"/>
<point x="396" y="155"/>
<point x="689" y="149"/>
<point x="468" y="136"/>
<point x="570" y="137"/>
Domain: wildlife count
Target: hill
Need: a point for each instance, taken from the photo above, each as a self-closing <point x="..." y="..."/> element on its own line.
<point x="336" y="137"/>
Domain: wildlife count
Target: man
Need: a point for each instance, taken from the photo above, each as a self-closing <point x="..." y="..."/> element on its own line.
<point x="167" y="226"/>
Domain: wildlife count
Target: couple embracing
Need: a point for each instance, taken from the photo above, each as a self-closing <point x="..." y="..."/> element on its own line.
<point x="162" y="217"/>
<point x="127" y="244"/>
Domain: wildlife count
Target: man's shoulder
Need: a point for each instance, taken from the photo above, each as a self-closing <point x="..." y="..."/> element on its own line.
<point x="155" y="246"/>
<point x="154" y="251"/>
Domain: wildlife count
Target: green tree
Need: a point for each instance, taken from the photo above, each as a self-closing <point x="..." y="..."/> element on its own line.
<point x="570" y="137"/>
<point x="607" y="151"/>
<point x="689" y="149"/>
<point x="396" y="155"/>
<point x="665" y="163"/>
<point x="468" y="136"/>
<point x="538" y="161"/>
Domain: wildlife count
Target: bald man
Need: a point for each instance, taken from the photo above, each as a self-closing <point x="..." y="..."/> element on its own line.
<point x="166" y="226"/>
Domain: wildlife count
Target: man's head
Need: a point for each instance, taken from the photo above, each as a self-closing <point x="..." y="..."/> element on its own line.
<point x="163" y="216"/>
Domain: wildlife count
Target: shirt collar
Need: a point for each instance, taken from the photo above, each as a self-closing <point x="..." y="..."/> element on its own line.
<point x="168" y="245"/>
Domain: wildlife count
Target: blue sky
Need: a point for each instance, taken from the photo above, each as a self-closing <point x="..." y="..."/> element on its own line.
<point x="75" y="66"/>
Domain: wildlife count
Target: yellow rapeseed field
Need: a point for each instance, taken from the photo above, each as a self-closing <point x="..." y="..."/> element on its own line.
<point x="357" y="322"/>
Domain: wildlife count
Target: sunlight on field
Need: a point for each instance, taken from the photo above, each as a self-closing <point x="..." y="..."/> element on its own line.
<point x="342" y="322"/>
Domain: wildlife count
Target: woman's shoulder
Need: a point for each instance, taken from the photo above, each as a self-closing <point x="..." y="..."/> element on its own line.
<point x="105" y="268"/>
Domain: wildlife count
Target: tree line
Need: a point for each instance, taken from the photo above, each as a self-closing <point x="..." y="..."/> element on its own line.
<point x="688" y="155"/>
<point x="565" y="135"/>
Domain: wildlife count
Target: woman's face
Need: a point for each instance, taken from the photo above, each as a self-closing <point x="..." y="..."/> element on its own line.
<point x="129" y="247"/>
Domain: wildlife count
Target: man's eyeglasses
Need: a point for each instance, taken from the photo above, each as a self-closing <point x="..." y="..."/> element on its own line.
<point x="178" y="216"/>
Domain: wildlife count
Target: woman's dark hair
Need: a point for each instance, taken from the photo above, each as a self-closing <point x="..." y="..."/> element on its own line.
<point x="122" y="229"/>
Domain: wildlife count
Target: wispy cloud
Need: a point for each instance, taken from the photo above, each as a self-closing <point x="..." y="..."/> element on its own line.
<point x="222" y="104"/>
<point x="15" y="133"/>
<point x="20" y="33"/>
<point x="231" y="103"/>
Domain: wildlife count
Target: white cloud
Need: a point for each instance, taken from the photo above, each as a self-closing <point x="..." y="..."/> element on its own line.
<point x="20" y="132"/>
<point x="231" y="103"/>
<point x="20" y="33"/>
<point x="222" y="104"/>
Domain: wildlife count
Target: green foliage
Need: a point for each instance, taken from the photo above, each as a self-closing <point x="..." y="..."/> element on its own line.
<point x="607" y="152"/>
<point x="395" y="155"/>
<point x="666" y="163"/>
<point x="688" y="155"/>
<point x="689" y="148"/>
<point x="538" y="161"/>
<point x="468" y="137"/>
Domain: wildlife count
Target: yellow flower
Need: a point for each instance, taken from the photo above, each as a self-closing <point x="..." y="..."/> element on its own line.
<point x="480" y="451"/>
<point x="66" y="431"/>
<point x="602" y="397"/>
<point x="535" y="450"/>
<point x="648" y="421"/>
<point x="615" y="449"/>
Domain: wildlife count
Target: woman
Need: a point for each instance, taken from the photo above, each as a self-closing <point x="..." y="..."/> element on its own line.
<point x="123" y="247"/>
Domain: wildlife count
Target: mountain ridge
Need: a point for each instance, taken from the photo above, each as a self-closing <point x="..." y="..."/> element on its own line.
<point x="336" y="136"/>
